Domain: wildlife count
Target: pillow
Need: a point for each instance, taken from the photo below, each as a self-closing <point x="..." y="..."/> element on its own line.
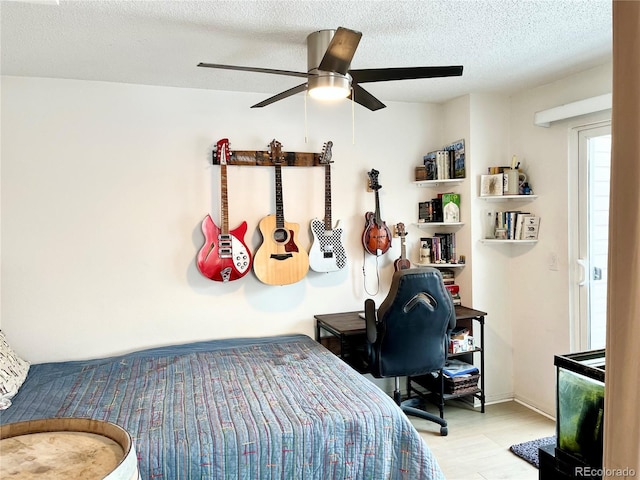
<point x="13" y="371"/>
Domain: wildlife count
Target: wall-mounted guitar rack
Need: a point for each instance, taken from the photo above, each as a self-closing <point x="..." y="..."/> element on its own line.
<point x="263" y="158"/>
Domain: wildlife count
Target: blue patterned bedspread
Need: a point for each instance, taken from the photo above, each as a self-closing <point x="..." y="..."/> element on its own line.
<point x="266" y="408"/>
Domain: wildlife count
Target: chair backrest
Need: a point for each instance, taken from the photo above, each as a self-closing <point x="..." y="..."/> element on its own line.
<point x="414" y="322"/>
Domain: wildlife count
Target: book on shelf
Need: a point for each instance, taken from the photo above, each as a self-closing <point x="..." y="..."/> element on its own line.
<point x="519" y="224"/>
<point x="516" y="225"/>
<point x="431" y="210"/>
<point x="456" y="154"/>
<point x="448" y="277"/>
<point x="530" y="227"/>
<point x="450" y="207"/>
<point x="443" y="165"/>
<point x="439" y="248"/>
<point x="440" y="164"/>
<point x="430" y="165"/>
<point x="446" y="163"/>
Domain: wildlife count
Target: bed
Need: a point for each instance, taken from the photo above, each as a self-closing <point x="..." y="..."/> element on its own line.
<point x="254" y="408"/>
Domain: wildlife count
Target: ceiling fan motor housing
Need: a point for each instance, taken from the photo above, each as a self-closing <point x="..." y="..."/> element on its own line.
<point x="317" y="44"/>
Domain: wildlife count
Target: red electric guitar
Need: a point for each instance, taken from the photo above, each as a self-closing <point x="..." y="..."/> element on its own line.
<point x="376" y="237"/>
<point x="224" y="255"/>
<point x="401" y="263"/>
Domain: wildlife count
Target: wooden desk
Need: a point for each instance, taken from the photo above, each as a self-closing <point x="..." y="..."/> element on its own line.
<point x="349" y="324"/>
<point x="349" y="328"/>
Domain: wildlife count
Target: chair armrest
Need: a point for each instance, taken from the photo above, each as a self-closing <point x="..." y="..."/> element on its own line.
<point x="371" y="320"/>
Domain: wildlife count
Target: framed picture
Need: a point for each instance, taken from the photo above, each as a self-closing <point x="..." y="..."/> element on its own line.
<point x="491" y="185"/>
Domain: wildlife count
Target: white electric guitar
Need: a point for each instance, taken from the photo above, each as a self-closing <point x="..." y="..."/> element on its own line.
<point x="327" y="252"/>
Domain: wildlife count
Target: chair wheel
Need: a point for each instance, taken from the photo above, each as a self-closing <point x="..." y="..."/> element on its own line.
<point x="444" y="431"/>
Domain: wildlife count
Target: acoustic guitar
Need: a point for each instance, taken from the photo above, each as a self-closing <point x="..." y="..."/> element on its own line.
<point x="401" y="263"/>
<point x="376" y="237"/>
<point x="327" y="252"/>
<point x="224" y="256"/>
<point x="279" y="260"/>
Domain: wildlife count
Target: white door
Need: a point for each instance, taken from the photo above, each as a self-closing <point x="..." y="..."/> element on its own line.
<point x="590" y="236"/>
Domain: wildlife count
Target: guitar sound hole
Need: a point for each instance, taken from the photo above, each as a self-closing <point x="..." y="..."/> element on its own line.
<point x="280" y="235"/>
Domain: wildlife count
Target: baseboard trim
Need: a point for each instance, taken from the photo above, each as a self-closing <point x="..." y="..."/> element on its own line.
<point x="500" y="400"/>
<point x="524" y="404"/>
<point x="537" y="410"/>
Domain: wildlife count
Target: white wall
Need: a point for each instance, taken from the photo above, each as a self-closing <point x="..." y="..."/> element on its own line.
<point x="489" y="119"/>
<point x="539" y="301"/>
<point x="104" y="187"/>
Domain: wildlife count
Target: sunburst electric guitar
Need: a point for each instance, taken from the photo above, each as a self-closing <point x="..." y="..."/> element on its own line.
<point x="279" y="260"/>
<point x="327" y="252"/>
<point x="224" y="255"/>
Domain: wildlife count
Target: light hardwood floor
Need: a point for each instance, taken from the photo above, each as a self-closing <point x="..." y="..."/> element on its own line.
<point x="477" y="446"/>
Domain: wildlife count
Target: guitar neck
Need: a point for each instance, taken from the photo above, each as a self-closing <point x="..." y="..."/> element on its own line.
<point x="403" y="249"/>
<point x="377" y="215"/>
<point x="279" y="207"/>
<point x="327" y="197"/>
<point x="224" y="202"/>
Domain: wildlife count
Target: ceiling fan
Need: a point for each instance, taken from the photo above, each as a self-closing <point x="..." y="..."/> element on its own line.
<point x="329" y="55"/>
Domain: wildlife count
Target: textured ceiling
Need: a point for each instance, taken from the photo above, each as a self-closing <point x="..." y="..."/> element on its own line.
<point x="504" y="45"/>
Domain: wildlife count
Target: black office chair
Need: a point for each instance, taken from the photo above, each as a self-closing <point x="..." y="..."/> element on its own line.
<point x="409" y="334"/>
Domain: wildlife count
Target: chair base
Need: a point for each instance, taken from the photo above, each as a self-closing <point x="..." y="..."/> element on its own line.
<point x="415" y="412"/>
<point x="427" y="416"/>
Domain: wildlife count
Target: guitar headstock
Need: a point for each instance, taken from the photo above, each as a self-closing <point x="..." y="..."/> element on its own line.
<point x="373" y="179"/>
<point x="275" y="152"/>
<point x="325" y="156"/>
<point x="400" y="230"/>
<point x="222" y="151"/>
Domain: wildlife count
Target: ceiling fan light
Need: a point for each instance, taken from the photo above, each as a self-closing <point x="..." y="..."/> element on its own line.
<point x="329" y="87"/>
<point x="329" y="93"/>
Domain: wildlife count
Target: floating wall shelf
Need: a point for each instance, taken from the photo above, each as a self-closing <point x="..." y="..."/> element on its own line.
<point x="504" y="198"/>
<point x="440" y="265"/>
<point x="438" y="224"/>
<point x="437" y="183"/>
<point x="497" y="240"/>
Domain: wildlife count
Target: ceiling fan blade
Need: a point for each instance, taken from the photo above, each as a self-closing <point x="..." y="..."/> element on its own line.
<point x="406" y="73"/>
<point x="254" y="69"/>
<point x="364" y="98"/>
<point x="280" y="96"/>
<point x="340" y="51"/>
